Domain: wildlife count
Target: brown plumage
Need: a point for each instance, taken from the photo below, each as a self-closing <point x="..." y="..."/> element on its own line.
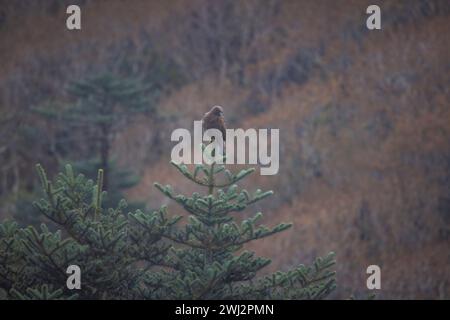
<point x="214" y="120"/>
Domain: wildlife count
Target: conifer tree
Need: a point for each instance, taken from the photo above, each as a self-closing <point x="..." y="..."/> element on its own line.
<point x="211" y="263"/>
<point x="110" y="250"/>
<point x="149" y="255"/>
<point x="104" y="105"/>
<point x="100" y="107"/>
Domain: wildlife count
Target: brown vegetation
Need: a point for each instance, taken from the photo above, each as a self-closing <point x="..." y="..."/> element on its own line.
<point x="364" y="117"/>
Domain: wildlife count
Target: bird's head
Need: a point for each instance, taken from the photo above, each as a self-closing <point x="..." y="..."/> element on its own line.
<point x="217" y="110"/>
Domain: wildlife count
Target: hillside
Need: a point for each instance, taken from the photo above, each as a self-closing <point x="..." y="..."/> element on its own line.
<point x="364" y="117"/>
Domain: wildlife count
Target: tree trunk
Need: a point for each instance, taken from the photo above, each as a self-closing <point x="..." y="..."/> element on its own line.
<point x="105" y="148"/>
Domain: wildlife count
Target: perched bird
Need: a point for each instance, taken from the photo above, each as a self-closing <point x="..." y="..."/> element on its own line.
<point x="214" y="119"/>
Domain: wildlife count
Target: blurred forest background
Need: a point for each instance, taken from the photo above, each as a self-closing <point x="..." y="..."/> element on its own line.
<point x="364" y="117"/>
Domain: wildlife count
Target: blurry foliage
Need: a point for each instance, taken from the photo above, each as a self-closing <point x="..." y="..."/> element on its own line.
<point x="364" y="115"/>
<point x="103" y="107"/>
<point x="134" y="72"/>
<point x="121" y="179"/>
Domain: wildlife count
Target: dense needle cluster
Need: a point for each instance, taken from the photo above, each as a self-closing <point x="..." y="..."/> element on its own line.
<point x="150" y="255"/>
